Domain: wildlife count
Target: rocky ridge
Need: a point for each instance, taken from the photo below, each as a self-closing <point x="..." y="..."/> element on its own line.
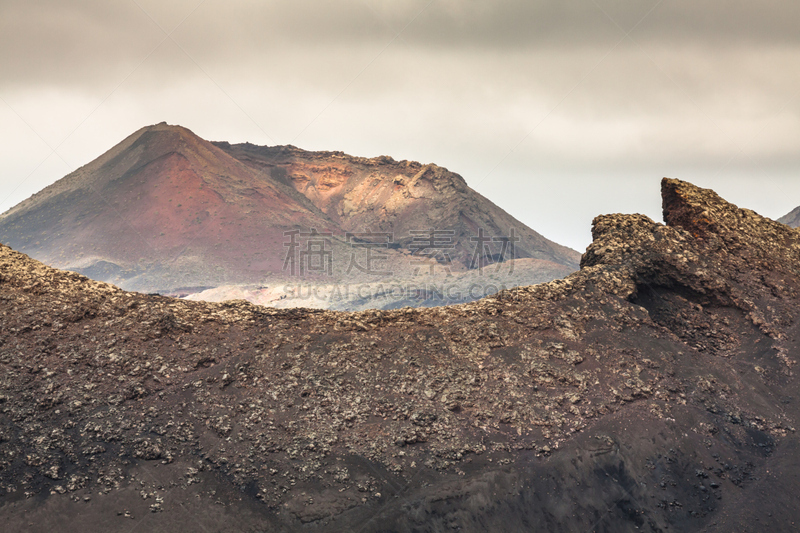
<point x="652" y="390"/>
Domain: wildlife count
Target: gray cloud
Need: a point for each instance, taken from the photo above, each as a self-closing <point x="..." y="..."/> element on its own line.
<point x="56" y="40"/>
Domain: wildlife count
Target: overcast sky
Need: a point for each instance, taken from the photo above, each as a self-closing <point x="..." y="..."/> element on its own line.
<point x="555" y="110"/>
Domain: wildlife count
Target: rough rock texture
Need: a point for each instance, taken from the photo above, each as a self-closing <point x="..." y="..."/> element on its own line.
<point x="791" y="219"/>
<point x="653" y="390"/>
<point x="166" y="211"/>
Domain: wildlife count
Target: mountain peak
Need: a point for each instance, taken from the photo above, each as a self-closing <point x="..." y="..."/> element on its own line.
<point x="162" y="195"/>
<point x="162" y="130"/>
<point x="163" y="126"/>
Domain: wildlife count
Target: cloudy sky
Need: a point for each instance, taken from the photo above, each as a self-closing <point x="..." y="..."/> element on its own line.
<point x="555" y="110"/>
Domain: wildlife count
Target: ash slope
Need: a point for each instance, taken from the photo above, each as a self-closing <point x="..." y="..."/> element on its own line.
<point x="653" y="390"/>
<point x="791" y="219"/>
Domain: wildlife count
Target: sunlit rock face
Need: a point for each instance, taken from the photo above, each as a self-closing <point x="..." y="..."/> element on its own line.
<point x="397" y="196"/>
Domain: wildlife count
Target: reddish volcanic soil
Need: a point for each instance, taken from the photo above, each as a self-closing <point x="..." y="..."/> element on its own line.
<point x="165" y="210"/>
<point x="164" y="200"/>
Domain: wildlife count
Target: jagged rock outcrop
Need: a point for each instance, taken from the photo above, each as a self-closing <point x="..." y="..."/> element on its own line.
<point x="653" y="390"/>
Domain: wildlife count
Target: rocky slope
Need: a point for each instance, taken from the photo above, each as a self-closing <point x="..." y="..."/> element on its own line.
<point x="791" y="219"/>
<point x="653" y="390"/>
<point x="400" y="197"/>
<point x="166" y="211"/>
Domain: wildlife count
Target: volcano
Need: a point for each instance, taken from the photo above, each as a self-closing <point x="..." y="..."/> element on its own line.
<point x="165" y="210"/>
<point x="400" y="197"/>
<point x="160" y="209"/>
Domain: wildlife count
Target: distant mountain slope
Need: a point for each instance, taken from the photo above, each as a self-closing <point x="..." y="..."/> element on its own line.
<point x="162" y="209"/>
<point x="400" y="197"/>
<point x="791" y="219"/>
<point x="167" y="211"/>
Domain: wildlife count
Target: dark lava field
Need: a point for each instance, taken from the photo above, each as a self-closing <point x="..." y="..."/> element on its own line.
<point x="653" y="390"/>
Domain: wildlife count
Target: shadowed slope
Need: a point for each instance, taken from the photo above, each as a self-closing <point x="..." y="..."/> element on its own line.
<point x="791" y="219"/>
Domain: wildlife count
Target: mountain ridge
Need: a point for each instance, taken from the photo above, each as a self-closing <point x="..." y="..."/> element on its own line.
<point x="342" y="192"/>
